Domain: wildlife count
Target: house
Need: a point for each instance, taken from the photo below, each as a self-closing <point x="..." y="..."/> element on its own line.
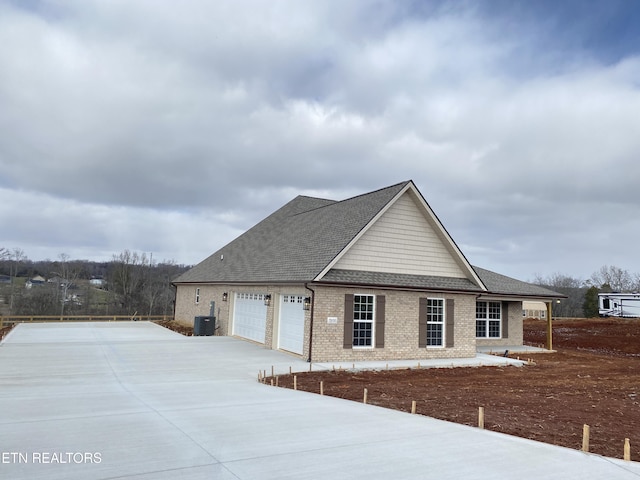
<point x="97" y="282"/>
<point x="373" y="277"/>
<point x="536" y="310"/>
<point x="35" y="282"/>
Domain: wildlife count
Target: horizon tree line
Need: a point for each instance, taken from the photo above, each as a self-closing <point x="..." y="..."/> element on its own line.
<point x="134" y="284"/>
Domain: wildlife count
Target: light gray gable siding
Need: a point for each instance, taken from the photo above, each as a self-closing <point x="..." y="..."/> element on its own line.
<point x="402" y="241"/>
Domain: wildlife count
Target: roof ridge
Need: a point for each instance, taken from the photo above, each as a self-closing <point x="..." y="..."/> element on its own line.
<point x="337" y="202"/>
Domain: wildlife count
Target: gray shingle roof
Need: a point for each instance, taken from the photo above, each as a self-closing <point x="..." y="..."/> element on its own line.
<point x="295" y="243"/>
<point x="358" y="277"/>
<point x="298" y="241"/>
<point x="497" y="283"/>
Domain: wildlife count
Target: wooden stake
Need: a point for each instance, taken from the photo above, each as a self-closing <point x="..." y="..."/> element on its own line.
<point x="272" y="372"/>
<point x="627" y="450"/>
<point x="289" y="370"/>
<point x="585" y="438"/>
<point x="387" y="366"/>
<point x="276" y="381"/>
<point x="364" y="399"/>
<point x="418" y="364"/>
<point x="295" y="382"/>
<point x="413" y="406"/>
<point x="480" y="417"/>
<point x="272" y="381"/>
<point x="321" y="388"/>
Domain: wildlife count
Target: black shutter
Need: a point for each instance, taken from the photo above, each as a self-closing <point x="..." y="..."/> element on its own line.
<point x="450" y="316"/>
<point x="380" y="306"/>
<point x="422" y="323"/>
<point x="348" y="321"/>
<point x="505" y="319"/>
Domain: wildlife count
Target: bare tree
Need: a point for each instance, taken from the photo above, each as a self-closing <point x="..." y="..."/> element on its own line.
<point x="69" y="272"/>
<point x="573" y="288"/>
<point x="618" y="279"/>
<point x="127" y="277"/>
<point x="16" y="257"/>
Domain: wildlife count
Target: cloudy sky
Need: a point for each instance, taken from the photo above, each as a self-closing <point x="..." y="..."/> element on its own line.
<point x="171" y="127"/>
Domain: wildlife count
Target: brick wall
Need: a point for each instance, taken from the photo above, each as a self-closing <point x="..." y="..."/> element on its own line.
<point x="401" y="321"/>
<point x="187" y="309"/>
<point x="401" y="327"/>
<point x="515" y="329"/>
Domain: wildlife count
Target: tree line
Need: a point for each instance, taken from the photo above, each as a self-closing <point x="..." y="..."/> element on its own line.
<point x="582" y="294"/>
<point x="131" y="283"/>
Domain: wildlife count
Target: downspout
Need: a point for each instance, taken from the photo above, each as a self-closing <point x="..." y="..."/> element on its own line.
<point x="313" y="297"/>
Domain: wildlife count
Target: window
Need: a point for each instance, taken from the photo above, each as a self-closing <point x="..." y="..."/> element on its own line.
<point x="435" y="322"/>
<point x="363" y="316"/>
<point x="488" y="319"/>
<point x="197" y="295"/>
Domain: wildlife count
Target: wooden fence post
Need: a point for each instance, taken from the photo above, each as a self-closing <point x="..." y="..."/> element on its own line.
<point x="480" y="417"/>
<point x="627" y="450"/>
<point x="321" y="388"/>
<point x="295" y="382"/>
<point x="585" y="438"/>
<point x="364" y="399"/>
<point x="413" y="406"/>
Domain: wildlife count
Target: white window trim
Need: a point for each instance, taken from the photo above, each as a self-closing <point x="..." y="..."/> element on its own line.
<point x="486" y="319"/>
<point x="197" y="296"/>
<point x="443" y="323"/>
<point x="373" y="324"/>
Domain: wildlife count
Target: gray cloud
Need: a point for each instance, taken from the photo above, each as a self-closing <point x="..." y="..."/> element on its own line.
<point x="150" y="126"/>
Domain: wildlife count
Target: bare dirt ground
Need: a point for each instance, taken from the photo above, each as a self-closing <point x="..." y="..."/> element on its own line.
<point x="176" y="327"/>
<point x="4" y="331"/>
<point x="594" y="379"/>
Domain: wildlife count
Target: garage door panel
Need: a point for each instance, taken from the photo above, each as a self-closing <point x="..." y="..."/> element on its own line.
<point x="291" y="324"/>
<point x="250" y="316"/>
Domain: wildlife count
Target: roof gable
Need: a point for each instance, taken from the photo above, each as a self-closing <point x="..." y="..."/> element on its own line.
<point x="405" y="238"/>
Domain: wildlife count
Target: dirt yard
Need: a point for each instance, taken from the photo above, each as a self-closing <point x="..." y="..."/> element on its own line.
<point x="594" y="379"/>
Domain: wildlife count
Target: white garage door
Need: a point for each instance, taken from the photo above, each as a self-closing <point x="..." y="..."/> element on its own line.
<point x="250" y="316"/>
<point x="291" y="330"/>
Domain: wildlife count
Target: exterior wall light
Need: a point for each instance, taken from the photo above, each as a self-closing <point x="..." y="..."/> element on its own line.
<point x="225" y="296"/>
<point x="306" y="305"/>
<point x="267" y="299"/>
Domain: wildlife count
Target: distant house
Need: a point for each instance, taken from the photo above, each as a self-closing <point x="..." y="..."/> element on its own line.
<point x="534" y="310"/>
<point x="373" y="277"/>
<point x="97" y="282"/>
<point x="35" y="281"/>
<point x="58" y="281"/>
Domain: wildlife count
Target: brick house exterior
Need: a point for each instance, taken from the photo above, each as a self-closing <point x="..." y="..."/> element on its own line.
<point x="373" y="277"/>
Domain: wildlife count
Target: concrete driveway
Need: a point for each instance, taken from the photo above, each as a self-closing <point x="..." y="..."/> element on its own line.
<point x="134" y="400"/>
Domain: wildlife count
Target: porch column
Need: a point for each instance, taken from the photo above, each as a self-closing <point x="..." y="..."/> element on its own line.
<point x="549" y="327"/>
